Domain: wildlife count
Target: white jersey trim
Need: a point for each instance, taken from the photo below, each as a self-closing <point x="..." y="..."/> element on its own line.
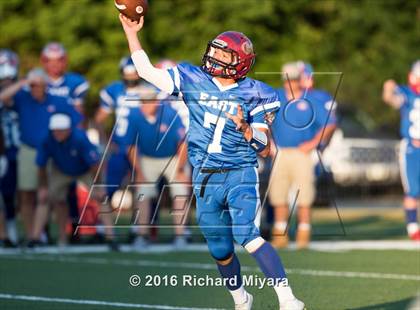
<point x="223" y="88"/>
<point x="272" y="105"/>
<point x="177" y="79"/>
<point x="107" y="98"/>
<point x="81" y="88"/>
<point x="259" y="125"/>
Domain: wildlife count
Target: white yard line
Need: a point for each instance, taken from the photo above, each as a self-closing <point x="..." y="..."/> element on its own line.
<point x="365" y="245"/>
<point x="96" y="302"/>
<point x="323" y="246"/>
<point x="202" y="266"/>
<point x="354" y="274"/>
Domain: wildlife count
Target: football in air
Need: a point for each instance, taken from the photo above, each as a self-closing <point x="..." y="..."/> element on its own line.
<point x="133" y="9"/>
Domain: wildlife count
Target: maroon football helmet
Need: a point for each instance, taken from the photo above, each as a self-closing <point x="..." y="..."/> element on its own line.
<point x="240" y="49"/>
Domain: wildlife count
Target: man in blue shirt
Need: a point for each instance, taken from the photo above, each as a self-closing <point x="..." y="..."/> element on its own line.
<point x="157" y="133"/>
<point x="29" y="98"/>
<point x="297" y="133"/>
<point x="73" y="158"/>
<point x="407" y="100"/>
<point x="228" y="114"/>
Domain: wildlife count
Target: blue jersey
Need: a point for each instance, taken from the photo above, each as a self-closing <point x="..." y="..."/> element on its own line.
<point x="34" y="116"/>
<point x="410" y="114"/>
<point x="160" y="136"/>
<point x="326" y="105"/>
<point x="74" y="157"/>
<point x="213" y="141"/>
<point x="71" y="85"/>
<point x="117" y="98"/>
<point x="298" y="120"/>
<point x="10" y="126"/>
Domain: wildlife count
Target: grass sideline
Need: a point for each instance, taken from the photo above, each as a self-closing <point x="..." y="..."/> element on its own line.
<point x="104" y="277"/>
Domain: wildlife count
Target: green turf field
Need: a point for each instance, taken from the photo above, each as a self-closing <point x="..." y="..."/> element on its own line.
<point x="324" y="280"/>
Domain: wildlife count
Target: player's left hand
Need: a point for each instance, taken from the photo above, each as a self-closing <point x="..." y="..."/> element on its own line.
<point x="238" y="119"/>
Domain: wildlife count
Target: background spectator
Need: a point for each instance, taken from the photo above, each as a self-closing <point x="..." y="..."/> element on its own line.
<point x="297" y="131"/>
<point x="121" y="98"/>
<point x="34" y="106"/>
<point x="407" y="100"/>
<point x="68" y="85"/>
<point x="73" y="158"/>
<point x="9" y="142"/>
<point x="158" y="135"/>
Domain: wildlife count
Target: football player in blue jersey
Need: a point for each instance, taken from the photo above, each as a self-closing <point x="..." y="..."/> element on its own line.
<point x="9" y="134"/>
<point x="121" y="98"/>
<point x="228" y="114"/>
<point x="61" y="83"/>
<point x="34" y="105"/>
<point x="158" y="135"/>
<point x="407" y="100"/>
<point x="296" y="134"/>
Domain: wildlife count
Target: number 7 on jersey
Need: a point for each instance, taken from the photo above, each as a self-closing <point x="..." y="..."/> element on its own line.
<point x="209" y="119"/>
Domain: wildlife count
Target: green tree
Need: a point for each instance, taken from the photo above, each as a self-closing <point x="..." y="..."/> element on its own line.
<point x="368" y="41"/>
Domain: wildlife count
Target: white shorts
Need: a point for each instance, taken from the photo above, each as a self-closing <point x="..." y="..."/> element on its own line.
<point x="153" y="170"/>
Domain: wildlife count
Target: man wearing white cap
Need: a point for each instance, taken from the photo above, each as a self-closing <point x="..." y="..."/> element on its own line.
<point x="34" y="106"/>
<point x="73" y="158"/>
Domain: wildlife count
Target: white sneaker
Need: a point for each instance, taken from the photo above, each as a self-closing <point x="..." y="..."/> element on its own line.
<point x="247" y="305"/>
<point x="293" y="304"/>
<point x="180" y="242"/>
<point x="140" y="244"/>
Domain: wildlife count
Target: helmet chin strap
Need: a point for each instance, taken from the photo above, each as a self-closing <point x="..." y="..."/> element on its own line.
<point x="226" y="71"/>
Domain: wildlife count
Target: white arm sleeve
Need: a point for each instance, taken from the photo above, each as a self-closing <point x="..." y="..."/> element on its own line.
<point x="158" y="77"/>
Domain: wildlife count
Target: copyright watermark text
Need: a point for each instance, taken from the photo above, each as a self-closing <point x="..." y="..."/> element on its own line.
<point x="203" y="281"/>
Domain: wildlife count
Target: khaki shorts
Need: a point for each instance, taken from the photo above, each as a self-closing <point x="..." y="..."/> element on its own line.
<point x="27" y="168"/>
<point x="58" y="183"/>
<point x="155" y="168"/>
<point x="292" y="169"/>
